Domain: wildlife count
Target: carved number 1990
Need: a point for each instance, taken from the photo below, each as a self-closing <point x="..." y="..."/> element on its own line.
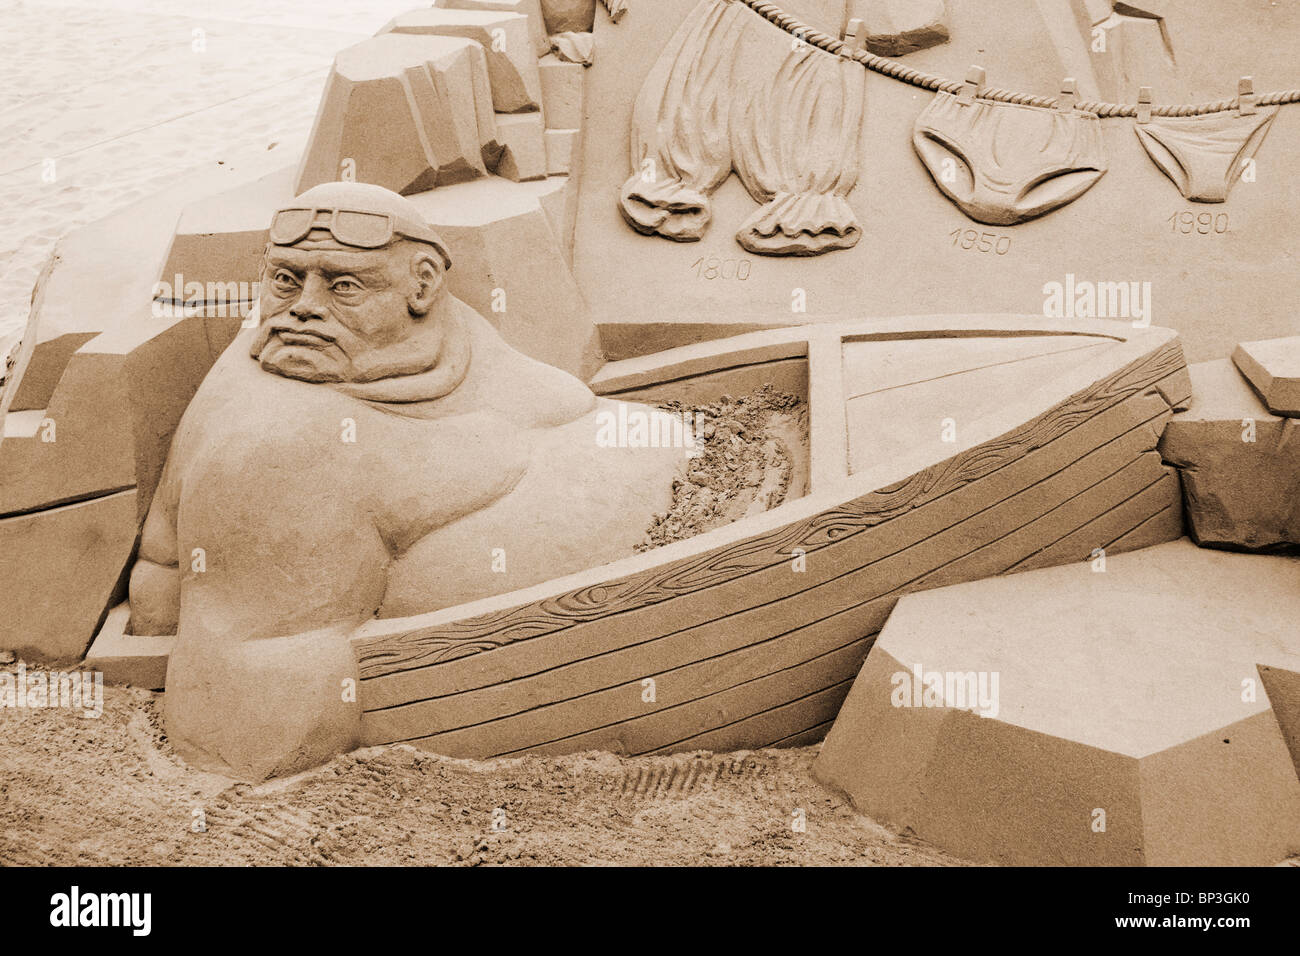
<point x="1206" y="224"/>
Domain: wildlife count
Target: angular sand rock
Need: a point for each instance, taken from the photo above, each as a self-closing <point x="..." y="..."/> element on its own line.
<point x="1273" y="368"/>
<point x="562" y="90"/>
<point x="560" y="144"/>
<point x="219" y="242"/>
<point x="523" y="137"/>
<point x="1125" y="716"/>
<point x="529" y="8"/>
<point x="111" y="417"/>
<point x="128" y="658"/>
<point x="60" y="568"/>
<point x="430" y="95"/>
<point x="1239" y="464"/>
<point x="512" y="64"/>
<point x="898" y="27"/>
<point x="503" y="240"/>
<point x="102" y="276"/>
<point x="565" y="16"/>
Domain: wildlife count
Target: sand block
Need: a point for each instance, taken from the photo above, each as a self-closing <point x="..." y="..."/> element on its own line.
<point x="512" y="62"/>
<point x="897" y="27"/>
<point x="560" y="144"/>
<point x="562" y="89"/>
<point x="60" y="569"/>
<point x="565" y="16"/>
<point x="509" y="265"/>
<point x="1273" y="367"/>
<point x="129" y="658"/>
<point x="523" y="136"/>
<point x="431" y="96"/>
<point x="1065" y="694"/>
<point x="1239" y="464"/>
<point x="111" y="417"/>
<point x="532" y="9"/>
<point x="102" y="277"/>
<point x="219" y="243"/>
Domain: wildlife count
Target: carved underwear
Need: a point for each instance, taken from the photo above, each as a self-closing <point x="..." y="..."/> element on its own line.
<point x="1003" y="163"/>
<point x="680" y="149"/>
<point x="1203" y="154"/>
<point x="793" y="137"/>
<point x="795" y="146"/>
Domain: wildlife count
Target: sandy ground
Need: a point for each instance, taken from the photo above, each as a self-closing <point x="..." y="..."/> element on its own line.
<point x="109" y="790"/>
<point x="103" y="103"/>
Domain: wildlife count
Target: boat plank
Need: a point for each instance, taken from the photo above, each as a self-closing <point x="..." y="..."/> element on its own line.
<point x="1109" y="525"/>
<point x="426" y="646"/>
<point x="827" y="426"/>
<point x="613" y="664"/>
<point x="664" y="730"/>
<point x="819" y="708"/>
<point x="785" y="375"/>
<point x="588" y="639"/>
<point x="673" y="688"/>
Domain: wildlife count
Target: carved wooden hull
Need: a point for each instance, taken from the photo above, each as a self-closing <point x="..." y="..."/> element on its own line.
<point x="752" y="633"/>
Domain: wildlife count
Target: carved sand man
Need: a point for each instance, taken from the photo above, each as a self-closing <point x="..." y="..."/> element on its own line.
<point x="371" y="448"/>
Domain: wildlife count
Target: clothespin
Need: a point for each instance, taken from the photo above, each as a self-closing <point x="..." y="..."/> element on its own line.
<point x="855" y="35"/>
<point x="1246" y="96"/>
<point x="1069" y="95"/>
<point x="1144" y="105"/>
<point x="973" y="86"/>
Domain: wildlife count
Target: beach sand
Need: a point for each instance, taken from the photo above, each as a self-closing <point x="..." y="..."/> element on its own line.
<point x="102" y="104"/>
<point x="109" y="790"/>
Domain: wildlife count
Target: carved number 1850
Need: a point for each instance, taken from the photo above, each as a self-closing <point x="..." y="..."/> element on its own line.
<point x="712" y="267"/>
<point x="982" y="241"/>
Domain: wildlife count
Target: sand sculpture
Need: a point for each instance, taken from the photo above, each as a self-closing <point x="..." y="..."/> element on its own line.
<point x="378" y="505"/>
<point x="1003" y="163"/>
<point x="1008" y="740"/>
<point x="359" y="346"/>
<point x="793" y="139"/>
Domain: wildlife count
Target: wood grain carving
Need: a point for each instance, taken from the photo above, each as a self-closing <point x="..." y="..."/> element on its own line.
<point x="562" y="672"/>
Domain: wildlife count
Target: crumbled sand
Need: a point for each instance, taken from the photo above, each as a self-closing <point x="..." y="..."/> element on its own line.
<point x="753" y="456"/>
<point x="110" y="790"/>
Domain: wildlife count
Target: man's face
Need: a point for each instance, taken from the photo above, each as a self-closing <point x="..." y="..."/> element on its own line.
<point x="328" y="305"/>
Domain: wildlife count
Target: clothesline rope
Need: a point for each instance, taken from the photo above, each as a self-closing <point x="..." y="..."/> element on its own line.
<point x="929" y="81"/>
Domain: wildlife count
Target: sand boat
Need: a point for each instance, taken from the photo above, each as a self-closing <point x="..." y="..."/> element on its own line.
<point x="942" y="450"/>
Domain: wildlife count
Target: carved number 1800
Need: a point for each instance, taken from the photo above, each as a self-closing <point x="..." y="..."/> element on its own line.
<point x="712" y="267"/>
<point x="982" y="241"/>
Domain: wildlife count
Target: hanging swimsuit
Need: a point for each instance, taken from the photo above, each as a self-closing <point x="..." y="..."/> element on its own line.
<point x="1203" y="154"/>
<point x="1003" y="163"/>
